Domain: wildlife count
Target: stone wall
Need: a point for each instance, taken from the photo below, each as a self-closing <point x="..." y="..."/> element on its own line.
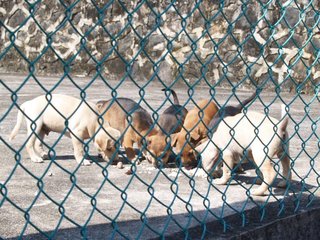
<point x="260" y="42"/>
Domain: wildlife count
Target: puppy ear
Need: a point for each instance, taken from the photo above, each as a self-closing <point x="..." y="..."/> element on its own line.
<point x="110" y="144"/>
<point x="195" y="134"/>
<point x="174" y="139"/>
<point x="153" y="132"/>
<point x="202" y="146"/>
<point x="149" y="140"/>
<point x="100" y="143"/>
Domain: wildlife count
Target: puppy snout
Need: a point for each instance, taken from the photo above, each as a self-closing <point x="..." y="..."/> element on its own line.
<point x="109" y="155"/>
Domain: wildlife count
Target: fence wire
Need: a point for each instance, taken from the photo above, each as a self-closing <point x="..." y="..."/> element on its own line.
<point x="265" y="46"/>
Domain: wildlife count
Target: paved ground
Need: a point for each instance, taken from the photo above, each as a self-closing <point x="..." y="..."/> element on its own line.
<point x="150" y="203"/>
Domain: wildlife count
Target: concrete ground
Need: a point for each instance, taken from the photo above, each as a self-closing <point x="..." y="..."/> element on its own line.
<point x="101" y="201"/>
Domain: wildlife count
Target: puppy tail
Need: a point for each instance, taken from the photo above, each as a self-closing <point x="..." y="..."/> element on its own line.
<point x="246" y="101"/>
<point x="175" y="97"/>
<point x="282" y="125"/>
<point x="18" y="124"/>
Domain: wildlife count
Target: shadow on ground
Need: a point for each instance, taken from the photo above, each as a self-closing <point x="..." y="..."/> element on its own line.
<point x="289" y="218"/>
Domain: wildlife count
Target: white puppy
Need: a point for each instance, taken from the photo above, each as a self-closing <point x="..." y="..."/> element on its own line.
<point x="265" y="137"/>
<point x="68" y="115"/>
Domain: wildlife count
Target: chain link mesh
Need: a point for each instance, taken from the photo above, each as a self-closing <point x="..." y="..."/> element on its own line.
<point x="269" y="47"/>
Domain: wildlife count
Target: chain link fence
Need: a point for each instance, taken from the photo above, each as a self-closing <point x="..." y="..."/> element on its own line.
<point x="212" y="144"/>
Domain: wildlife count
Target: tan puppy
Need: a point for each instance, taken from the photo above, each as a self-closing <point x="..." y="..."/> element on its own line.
<point x="130" y="119"/>
<point x="253" y="132"/>
<point x="170" y="121"/>
<point x="43" y="117"/>
<point x="194" y="129"/>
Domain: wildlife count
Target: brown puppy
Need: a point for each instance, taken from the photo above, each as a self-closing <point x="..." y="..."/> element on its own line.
<point x="193" y="131"/>
<point x="170" y="121"/>
<point x="127" y="116"/>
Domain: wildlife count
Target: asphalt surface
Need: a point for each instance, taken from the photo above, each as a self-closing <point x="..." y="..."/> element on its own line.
<point x="100" y="201"/>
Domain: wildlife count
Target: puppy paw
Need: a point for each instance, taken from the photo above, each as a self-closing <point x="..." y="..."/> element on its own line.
<point x="44" y="156"/>
<point x="282" y="184"/>
<point x="106" y="159"/>
<point x="86" y="162"/>
<point x="257" y="192"/>
<point x="220" y="181"/>
<point x="37" y="159"/>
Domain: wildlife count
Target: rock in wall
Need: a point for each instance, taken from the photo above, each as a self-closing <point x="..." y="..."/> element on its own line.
<point x="232" y="42"/>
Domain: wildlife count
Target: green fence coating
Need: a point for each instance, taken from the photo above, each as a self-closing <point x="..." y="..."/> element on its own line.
<point x="263" y="45"/>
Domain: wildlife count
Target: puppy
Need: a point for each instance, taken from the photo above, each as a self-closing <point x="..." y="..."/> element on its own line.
<point x="194" y="129"/>
<point x="127" y="116"/>
<point x="68" y="115"/>
<point x="253" y="132"/>
<point x="170" y="121"/>
<point x="224" y="112"/>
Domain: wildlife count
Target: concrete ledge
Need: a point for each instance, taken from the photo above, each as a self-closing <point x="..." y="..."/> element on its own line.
<point x="304" y="224"/>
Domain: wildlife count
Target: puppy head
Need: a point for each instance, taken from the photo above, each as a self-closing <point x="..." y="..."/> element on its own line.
<point x="157" y="149"/>
<point x="105" y="144"/>
<point x="186" y="149"/>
